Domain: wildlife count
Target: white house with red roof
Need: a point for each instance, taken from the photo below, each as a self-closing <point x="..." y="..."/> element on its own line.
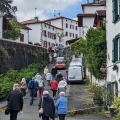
<point x="49" y="31"/>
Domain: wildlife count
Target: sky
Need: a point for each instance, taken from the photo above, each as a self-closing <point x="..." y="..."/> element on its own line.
<point x="45" y="9"/>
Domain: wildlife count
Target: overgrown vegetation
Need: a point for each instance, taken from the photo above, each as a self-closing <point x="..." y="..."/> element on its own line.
<point x="7" y="80"/>
<point x="14" y="33"/>
<point x="94" y="49"/>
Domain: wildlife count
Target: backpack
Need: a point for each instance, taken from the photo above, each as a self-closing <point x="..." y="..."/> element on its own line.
<point x="40" y="84"/>
<point x="32" y="85"/>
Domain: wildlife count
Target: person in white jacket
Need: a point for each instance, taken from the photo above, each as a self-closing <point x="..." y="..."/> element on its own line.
<point x="48" y="77"/>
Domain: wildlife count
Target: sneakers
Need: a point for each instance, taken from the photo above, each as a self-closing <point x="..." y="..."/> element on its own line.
<point x="31" y="103"/>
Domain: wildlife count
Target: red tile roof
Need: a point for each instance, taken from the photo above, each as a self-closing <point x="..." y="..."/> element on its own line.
<point x="23" y="26"/>
<point x="30" y="21"/>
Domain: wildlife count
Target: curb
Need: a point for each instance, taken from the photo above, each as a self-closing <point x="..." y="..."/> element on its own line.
<point x="85" y="111"/>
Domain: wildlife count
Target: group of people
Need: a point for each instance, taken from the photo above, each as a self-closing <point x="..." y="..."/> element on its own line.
<point x="56" y="82"/>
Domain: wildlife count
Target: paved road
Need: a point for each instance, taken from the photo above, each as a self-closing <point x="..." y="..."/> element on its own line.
<point x="76" y="95"/>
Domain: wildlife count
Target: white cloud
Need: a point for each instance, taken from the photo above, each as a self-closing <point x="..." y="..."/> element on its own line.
<point x="26" y="8"/>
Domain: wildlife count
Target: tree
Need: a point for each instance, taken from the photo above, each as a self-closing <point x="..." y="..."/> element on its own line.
<point x="14" y="33"/>
<point x="94" y="48"/>
<point x="7" y="9"/>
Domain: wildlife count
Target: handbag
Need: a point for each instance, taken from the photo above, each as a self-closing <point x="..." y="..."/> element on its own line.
<point x="41" y="109"/>
<point x="7" y="111"/>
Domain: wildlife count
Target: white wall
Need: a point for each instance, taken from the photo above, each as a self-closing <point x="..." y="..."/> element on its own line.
<point x="1" y="26"/>
<point x="57" y="23"/>
<point x="111" y="31"/>
<point x="92" y="9"/>
<point x="34" y="34"/>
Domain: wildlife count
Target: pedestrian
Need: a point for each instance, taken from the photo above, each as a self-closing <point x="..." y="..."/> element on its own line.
<point x="59" y="77"/>
<point x="32" y="87"/>
<point x="37" y="76"/>
<point x="47" y="103"/>
<point x="45" y="71"/>
<point x="48" y="77"/>
<point x="54" y="87"/>
<point x="15" y="102"/>
<point x="41" y="85"/>
<point x="54" y="72"/>
<point x="62" y="106"/>
<point x="62" y="86"/>
<point x="23" y="87"/>
<point x="55" y="56"/>
<point x="50" y="59"/>
<point x="16" y="83"/>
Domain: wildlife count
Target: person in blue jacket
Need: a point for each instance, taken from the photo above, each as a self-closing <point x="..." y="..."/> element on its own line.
<point x="62" y="106"/>
<point x="32" y="87"/>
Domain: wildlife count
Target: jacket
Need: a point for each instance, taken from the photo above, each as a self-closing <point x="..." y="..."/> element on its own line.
<point x="39" y="81"/>
<point x="35" y="85"/>
<point x="54" y="71"/>
<point x="54" y="85"/>
<point x="62" y="83"/>
<point x="37" y="77"/>
<point x="15" y="100"/>
<point x="23" y="85"/>
<point x="48" y="106"/>
<point x="46" y="71"/>
<point x="62" y="105"/>
<point x="48" y="76"/>
<point x="59" y="76"/>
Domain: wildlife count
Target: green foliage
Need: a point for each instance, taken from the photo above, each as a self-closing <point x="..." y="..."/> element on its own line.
<point x="7" y="80"/>
<point x="79" y="46"/>
<point x="7" y="9"/>
<point x="94" y="48"/>
<point x="14" y="33"/>
<point x="116" y="105"/>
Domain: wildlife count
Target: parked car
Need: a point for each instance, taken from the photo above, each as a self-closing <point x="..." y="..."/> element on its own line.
<point x="60" y="62"/>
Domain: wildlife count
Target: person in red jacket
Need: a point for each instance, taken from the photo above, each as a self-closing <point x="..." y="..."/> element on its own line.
<point x="54" y="87"/>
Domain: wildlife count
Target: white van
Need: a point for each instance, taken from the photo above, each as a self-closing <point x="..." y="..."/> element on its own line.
<point x="75" y="74"/>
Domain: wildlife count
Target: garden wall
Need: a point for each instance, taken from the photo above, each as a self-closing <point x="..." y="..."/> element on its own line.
<point x="19" y="55"/>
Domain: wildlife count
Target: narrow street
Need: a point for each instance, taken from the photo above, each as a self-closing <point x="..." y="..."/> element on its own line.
<point x="76" y="95"/>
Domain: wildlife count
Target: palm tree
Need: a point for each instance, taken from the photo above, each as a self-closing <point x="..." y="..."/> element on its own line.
<point x="7" y="9"/>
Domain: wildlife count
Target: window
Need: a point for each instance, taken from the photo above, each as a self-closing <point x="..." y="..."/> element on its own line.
<point x="116" y="10"/>
<point x="45" y="33"/>
<point x="54" y="36"/>
<point x="70" y="34"/>
<point x="116" y="49"/>
<point x="45" y="25"/>
<point x="76" y="36"/>
<point x="70" y="26"/>
<point x="66" y="33"/>
<point x="73" y="26"/>
<point x="22" y="37"/>
<point x="49" y="26"/>
<point x="76" y="27"/>
<point x="48" y="34"/>
<point x="73" y="35"/>
<point x="66" y="25"/>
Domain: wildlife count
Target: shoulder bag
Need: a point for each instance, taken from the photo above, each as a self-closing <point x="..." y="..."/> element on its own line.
<point x="41" y="108"/>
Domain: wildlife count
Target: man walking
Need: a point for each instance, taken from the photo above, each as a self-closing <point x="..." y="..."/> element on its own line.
<point x="54" y="72"/>
<point x="32" y="87"/>
<point x="15" y="102"/>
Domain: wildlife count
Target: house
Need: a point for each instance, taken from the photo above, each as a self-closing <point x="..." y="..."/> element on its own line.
<point x="55" y="31"/>
<point x="100" y="16"/>
<point x="113" y="46"/>
<point x="86" y="19"/>
<point x="72" y="40"/>
<point x="4" y="25"/>
<point x="24" y="37"/>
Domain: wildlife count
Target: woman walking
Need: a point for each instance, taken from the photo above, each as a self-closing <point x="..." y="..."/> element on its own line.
<point x="45" y="71"/>
<point x="54" y="87"/>
<point x="41" y="86"/>
<point x="23" y="87"/>
<point x="62" y="106"/>
<point x="62" y="86"/>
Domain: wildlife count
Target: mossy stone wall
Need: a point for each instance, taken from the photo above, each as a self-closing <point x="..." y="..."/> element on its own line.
<point x="18" y="55"/>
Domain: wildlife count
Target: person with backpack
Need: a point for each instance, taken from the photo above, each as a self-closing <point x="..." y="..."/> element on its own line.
<point x="32" y="87"/>
<point x="41" y="86"/>
<point x="48" y="77"/>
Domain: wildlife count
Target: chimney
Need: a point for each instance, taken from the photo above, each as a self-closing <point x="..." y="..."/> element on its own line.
<point x="96" y="1"/>
<point x="36" y="19"/>
<point x="55" y="16"/>
<point x="58" y="14"/>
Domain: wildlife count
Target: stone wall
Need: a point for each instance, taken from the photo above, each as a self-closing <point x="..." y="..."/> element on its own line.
<point x="19" y="55"/>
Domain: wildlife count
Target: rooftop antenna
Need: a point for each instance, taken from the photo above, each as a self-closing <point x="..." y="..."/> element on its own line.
<point x="54" y="12"/>
<point x="35" y="11"/>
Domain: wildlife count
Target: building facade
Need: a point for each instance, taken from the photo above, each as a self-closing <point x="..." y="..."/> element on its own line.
<point x="55" y="31"/>
<point x="113" y="45"/>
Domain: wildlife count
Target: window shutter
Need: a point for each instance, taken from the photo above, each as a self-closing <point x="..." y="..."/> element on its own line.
<point x="119" y="7"/>
<point x="109" y="87"/>
<point x="116" y="88"/>
<point x="113" y="51"/>
<point x="116" y="49"/>
<point x="113" y="10"/>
